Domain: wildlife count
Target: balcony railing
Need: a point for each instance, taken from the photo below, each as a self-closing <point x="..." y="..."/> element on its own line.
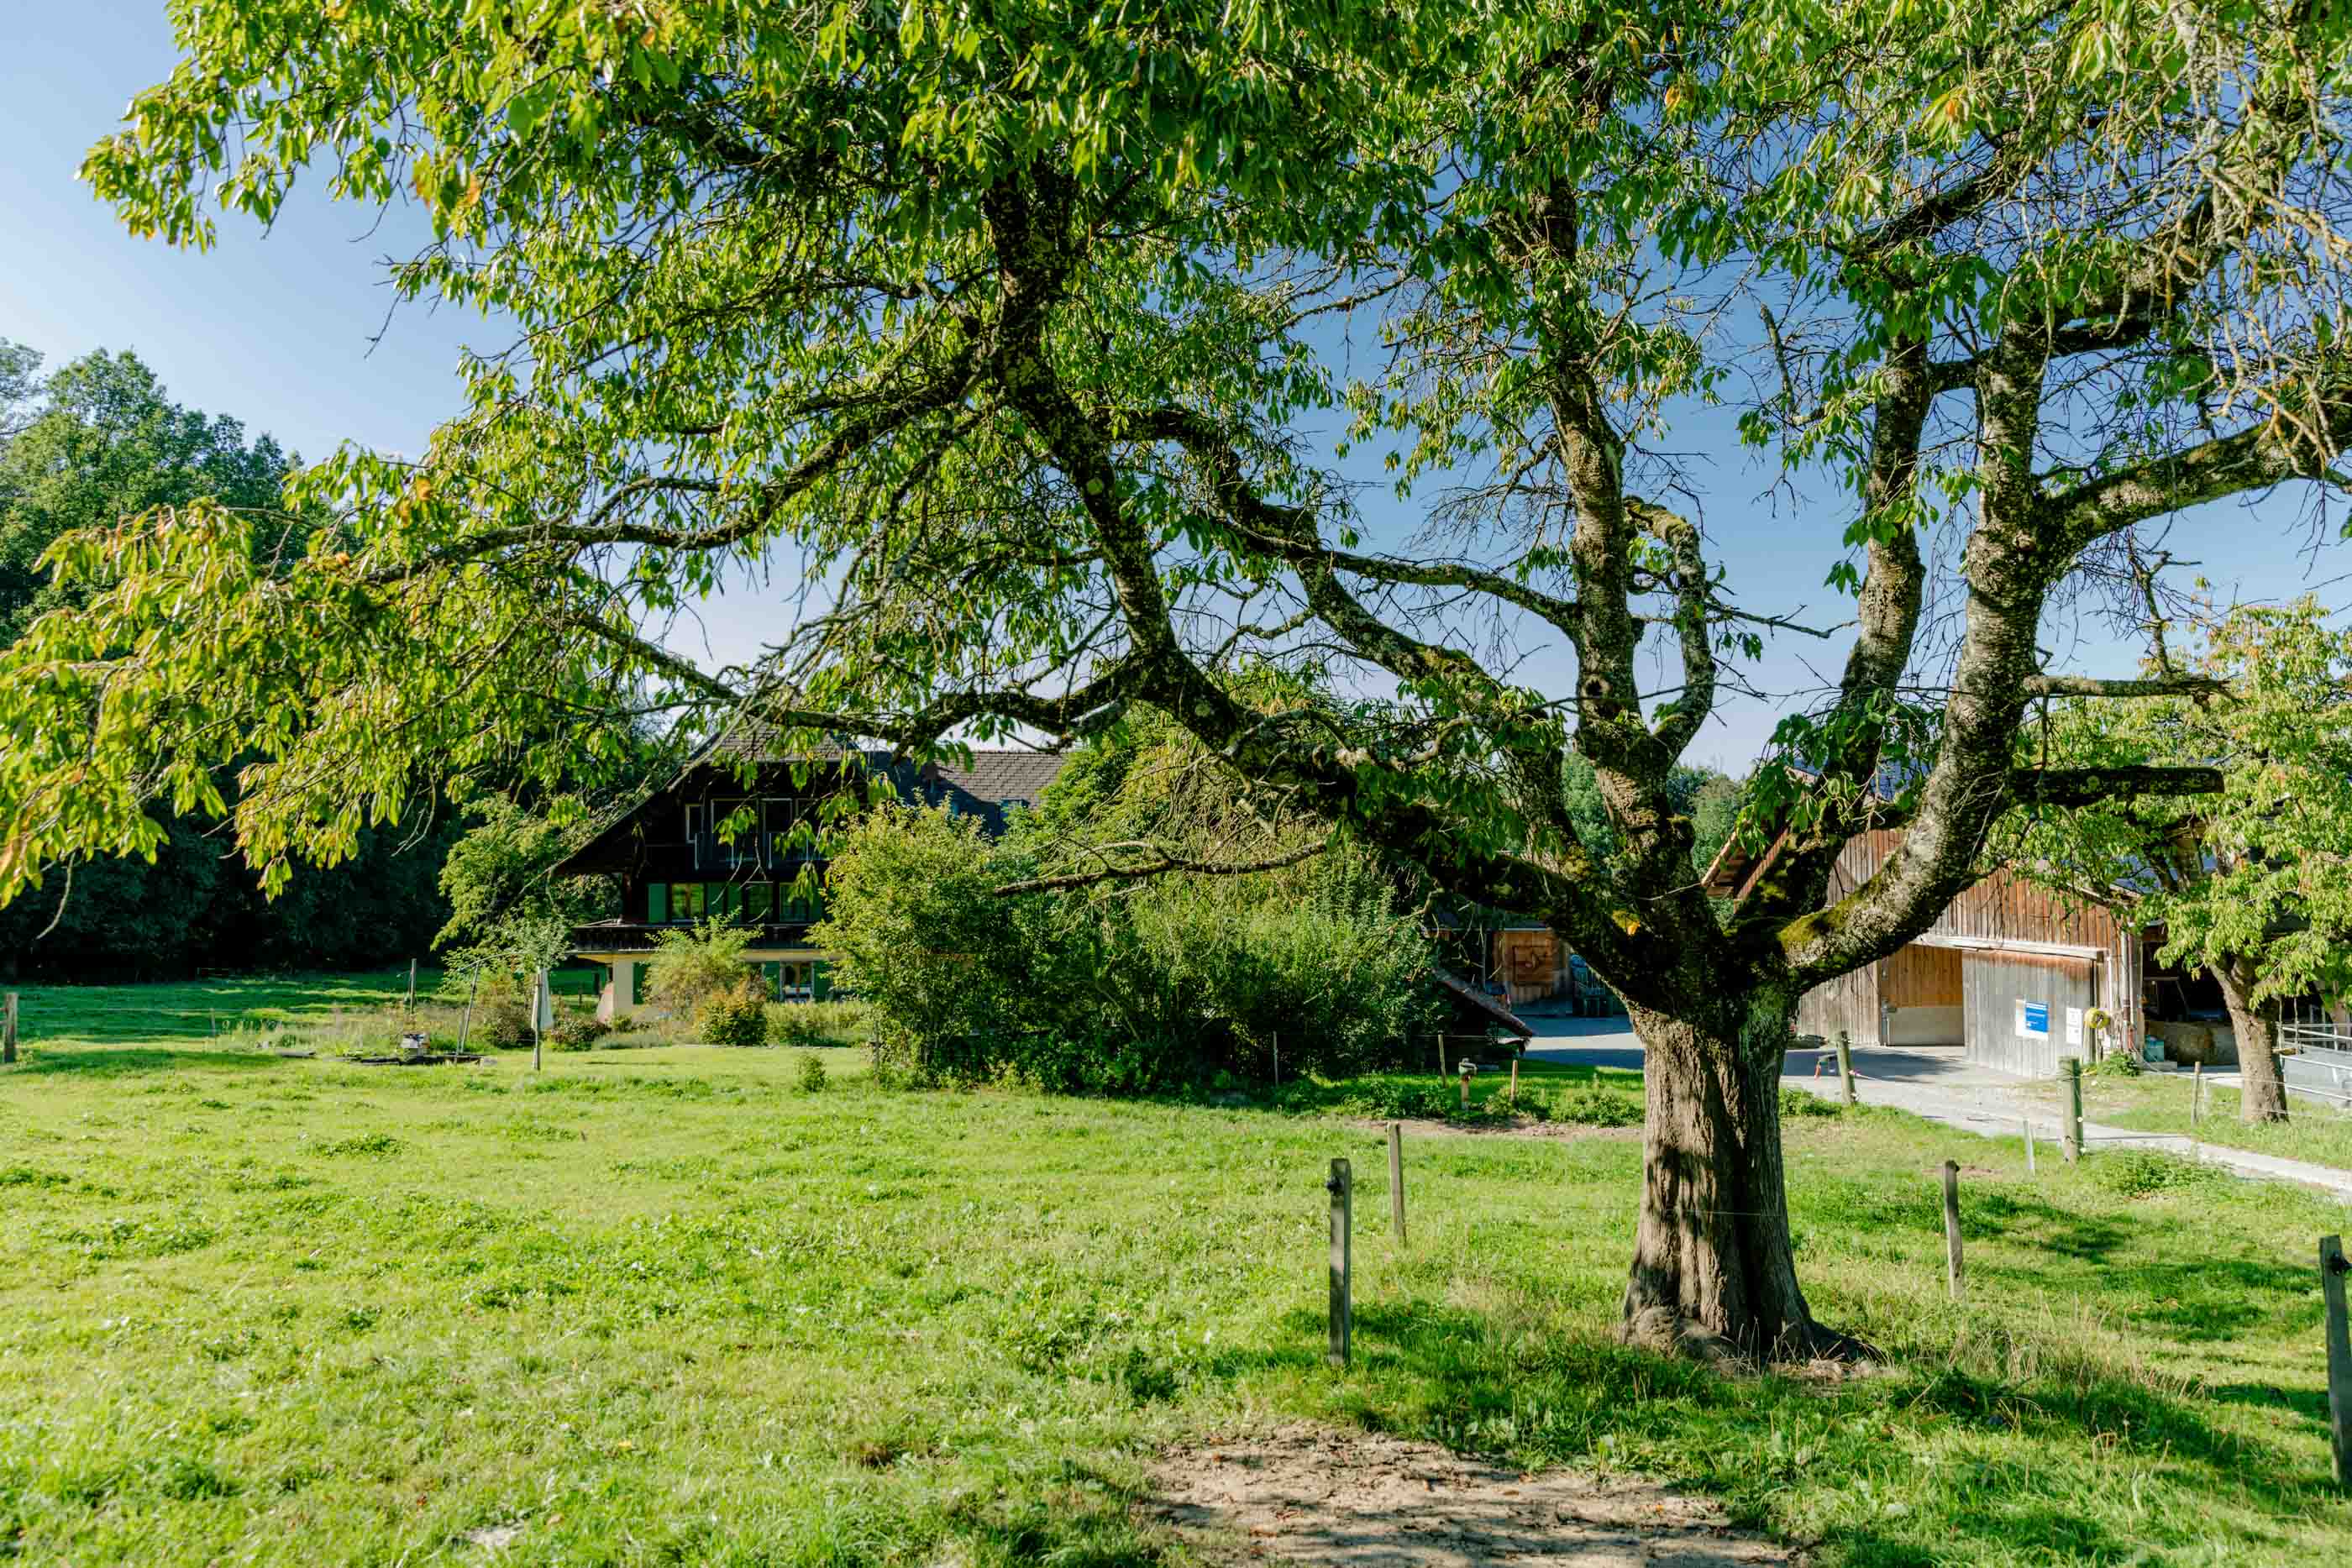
<point x="769" y="851"/>
<point x="638" y="935"/>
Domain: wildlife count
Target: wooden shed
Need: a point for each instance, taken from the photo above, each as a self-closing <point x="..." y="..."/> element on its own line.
<point x="2009" y="973"/>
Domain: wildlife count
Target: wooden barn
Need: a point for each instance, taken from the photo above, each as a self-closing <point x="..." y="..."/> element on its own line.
<point x="2009" y="973"/>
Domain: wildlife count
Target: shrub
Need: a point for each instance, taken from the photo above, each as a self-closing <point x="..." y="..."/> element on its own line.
<point x="1799" y="1103"/>
<point x="1402" y="1100"/>
<point x="501" y="1014"/>
<point x="819" y="1023"/>
<point x="736" y="1016"/>
<point x="577" y="1031"/>
<point x="690" y="966"/>
<point x="812" y="1072"/>
<point x="1161" y="986"/>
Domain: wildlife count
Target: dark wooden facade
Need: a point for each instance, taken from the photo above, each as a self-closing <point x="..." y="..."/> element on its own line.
<point x="715" y="844"/>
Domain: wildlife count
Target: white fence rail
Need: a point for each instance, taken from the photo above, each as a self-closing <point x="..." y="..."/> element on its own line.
<point x="2316" y="1060"/>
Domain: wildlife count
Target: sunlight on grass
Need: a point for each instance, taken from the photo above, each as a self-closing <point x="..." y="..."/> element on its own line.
<point x="670" y="1306"/>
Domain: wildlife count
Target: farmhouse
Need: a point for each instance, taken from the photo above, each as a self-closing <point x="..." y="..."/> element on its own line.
<point x="675" y="869"/>
<point x="2011" y="972"/>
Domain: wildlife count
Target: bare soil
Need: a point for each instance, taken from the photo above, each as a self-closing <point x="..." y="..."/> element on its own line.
<point x="1320" y="1495"/>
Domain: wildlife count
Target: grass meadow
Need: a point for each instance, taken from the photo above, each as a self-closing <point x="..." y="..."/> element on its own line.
<point x="684" y="1305"/>
<point x="2159" y="1103"/>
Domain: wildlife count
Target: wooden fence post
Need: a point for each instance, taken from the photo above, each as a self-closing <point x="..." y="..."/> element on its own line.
<point x="1514" y="1081"/>
<point x="2027" y="1124"/>
<point x="2074" y="1109"/>
<point x="1845" y="1066"/>
<point x="412" y="982"/>
<point x="1952" y="1273"/>
<point x="1396" y="1180"/>
<point x="1341" y="1186"/>
<point x="2196" y="1094"/>
<point x="8" y="1031"/>
<point x="2332" y="1268"/>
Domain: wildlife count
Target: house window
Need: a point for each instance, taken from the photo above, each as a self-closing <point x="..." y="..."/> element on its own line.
<point x="686" y="901"/>
<point x="759" y="900"/>
<point x="745" y="847"/>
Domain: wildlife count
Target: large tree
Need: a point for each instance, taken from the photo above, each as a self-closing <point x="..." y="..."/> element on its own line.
<point x="1011" y="330"/>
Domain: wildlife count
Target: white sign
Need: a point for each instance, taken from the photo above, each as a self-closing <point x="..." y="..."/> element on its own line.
<point x="2033" y="1020"/>
<point x="2073" y="1026"/>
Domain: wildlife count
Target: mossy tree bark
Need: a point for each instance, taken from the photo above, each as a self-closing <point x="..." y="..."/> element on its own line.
<point x="2262" y="1092"/>
<point x="1714" y="1270"/>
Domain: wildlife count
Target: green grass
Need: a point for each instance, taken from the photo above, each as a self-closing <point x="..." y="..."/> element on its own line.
<point x="665" y="1306"/>
<point x="2159" y="1102"/>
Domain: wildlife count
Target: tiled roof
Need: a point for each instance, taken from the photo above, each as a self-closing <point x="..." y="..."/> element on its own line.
<point x="983" y="788"/>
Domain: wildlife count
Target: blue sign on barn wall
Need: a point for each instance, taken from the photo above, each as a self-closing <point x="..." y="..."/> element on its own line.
<point x="2033" y="1020"/>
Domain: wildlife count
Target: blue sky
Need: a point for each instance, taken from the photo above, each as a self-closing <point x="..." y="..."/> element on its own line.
<point x="282" y="331"/>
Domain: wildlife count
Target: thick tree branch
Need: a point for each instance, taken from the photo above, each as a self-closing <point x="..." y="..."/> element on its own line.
<point x="2297" y="441"/>
<point x="2089" y="786"/>
<point x="2091" y="686"/>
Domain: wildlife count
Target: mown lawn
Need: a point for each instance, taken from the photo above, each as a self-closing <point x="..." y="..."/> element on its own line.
<point x="2159" y="1103"/>
<point x="670" y="1306"/>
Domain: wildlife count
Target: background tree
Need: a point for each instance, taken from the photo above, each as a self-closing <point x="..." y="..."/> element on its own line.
<point x="2254" y="885"/>
<point x="98" y="442"/>
<point x="1011" y="331"/>
<point x="500" y="870"/>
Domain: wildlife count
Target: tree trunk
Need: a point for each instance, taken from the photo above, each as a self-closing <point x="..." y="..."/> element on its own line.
<point x="2262" y="1092"/>
<point x="1714" y="1270"/>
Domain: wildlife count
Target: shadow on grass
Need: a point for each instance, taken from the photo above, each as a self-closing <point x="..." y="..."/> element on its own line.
<point x="39" y="1062"/>
<point x="2028" y="1444"/>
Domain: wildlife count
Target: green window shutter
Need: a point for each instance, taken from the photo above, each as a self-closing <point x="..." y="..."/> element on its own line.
<point x="637" y="985"/>
<point x="658" y="903"/>
<point x="774" y="975"/>
<point x="729" y="901"/>
<point x="820" y="982"/>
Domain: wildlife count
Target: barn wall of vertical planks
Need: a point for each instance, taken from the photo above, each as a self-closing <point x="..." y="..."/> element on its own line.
<point x="2010" y="972"/>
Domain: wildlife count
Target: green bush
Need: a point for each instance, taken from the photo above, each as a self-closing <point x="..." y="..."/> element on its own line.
<point x="1164" y="985"/>
<point x="690" y="966"/>
<point x="1798" y="1103"/>
<point x="1402" y="1100"/>
<point x="819" y="1023"/>
<point x="812" y="1072"/>
<point x="578" y="1031"/>
<point x="2142" y="1172"/>
<point x="501" y="1014"/>
<point x="736" y="1016"/>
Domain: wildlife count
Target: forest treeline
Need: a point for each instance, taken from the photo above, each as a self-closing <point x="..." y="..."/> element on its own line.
<point x="99" y="439"/>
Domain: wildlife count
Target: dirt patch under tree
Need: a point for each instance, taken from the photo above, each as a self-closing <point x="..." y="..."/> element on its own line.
<point x="1340" y="1498"/>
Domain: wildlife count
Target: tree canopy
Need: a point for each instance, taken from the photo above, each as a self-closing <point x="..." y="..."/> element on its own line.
<point x="1018" y="337"/>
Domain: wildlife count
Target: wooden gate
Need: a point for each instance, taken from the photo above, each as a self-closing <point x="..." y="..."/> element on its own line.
<point x="2024" y="1012"/>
